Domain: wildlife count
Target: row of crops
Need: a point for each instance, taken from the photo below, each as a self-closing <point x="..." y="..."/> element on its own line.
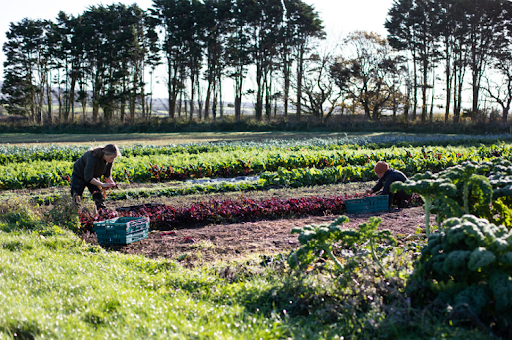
<point x="16" y="154"/>
<point x="290" y="163"/>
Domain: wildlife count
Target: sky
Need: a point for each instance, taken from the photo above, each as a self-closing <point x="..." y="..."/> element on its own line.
<point x="339" y="16"/>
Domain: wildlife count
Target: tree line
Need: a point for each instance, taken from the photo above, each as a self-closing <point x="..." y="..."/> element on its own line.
<point x="464" y="41"/>
<point x="102" y="59"/>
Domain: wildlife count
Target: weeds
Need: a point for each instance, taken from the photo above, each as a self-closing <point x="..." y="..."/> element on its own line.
<point x="66" y="213"/>
<point x="19" y="214"/>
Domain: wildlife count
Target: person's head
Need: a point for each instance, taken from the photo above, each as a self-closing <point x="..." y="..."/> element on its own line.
<point x="108" y="152"/>
<point x="380" y="168"/>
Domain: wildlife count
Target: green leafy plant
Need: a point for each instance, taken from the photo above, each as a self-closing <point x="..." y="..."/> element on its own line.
<point x="317" y="240"/>
<point x="481" y="189"/>
<point x="65" y="213"/>
<point x="468" y="262"/>
<point x="430" y="188"/>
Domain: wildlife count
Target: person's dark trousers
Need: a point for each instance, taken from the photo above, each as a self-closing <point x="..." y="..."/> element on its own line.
<point x="78" y="186"/>
<point x="399" y="198"/>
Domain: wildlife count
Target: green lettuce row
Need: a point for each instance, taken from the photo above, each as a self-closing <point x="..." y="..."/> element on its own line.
<point x="137" y="169"/>
<point x="12" y="154"/>
<point x="167" y="192"/>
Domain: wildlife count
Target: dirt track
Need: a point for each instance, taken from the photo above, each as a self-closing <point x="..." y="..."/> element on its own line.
<point x="230" y="241"/>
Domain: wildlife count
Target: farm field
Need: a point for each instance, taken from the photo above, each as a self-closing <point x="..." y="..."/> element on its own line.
<point x="220" y="260"/>
<point x="163" y="138"/>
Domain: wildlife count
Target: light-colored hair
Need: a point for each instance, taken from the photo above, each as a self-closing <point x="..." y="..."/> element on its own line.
<point x="109" y="150"/>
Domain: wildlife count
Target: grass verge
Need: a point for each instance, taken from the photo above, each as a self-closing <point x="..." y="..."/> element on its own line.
<point x="53" y="285"/>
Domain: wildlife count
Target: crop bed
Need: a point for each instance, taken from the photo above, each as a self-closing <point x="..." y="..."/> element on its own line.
<point x="333" y="161"/>
<point x="228" y="241"/>
<point x="297" y="179"/>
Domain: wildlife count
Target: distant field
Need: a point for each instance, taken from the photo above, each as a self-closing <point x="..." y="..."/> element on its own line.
<point x="165" y="138"/>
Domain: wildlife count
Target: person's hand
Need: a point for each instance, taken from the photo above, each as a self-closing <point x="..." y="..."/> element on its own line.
<point x="108" y="185"/>
<point x="111" y="182"/>
<point x="369" y="191"/>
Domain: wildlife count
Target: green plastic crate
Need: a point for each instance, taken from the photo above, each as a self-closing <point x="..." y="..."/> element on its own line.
<point x="122" y="230"/>
<point x="367" y="204"/>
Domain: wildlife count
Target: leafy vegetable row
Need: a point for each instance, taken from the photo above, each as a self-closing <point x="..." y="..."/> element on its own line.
<point x="119" y="195"/>
<point x="16" y="154"/>
<point x="145" y="168"/>
<point x="165" y="217"/>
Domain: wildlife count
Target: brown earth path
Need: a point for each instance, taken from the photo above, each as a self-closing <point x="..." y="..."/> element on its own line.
<point x="217" y="242"/>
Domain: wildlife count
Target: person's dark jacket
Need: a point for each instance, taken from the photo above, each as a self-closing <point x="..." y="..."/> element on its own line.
<point x="384" y="183"/>
<point x="89" y="166"/>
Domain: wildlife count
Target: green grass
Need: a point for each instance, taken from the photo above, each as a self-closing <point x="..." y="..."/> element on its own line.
<point x="57" y="287"/>
<point x="54" y="285"/>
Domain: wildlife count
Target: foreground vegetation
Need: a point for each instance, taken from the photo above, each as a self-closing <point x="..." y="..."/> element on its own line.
<point x="53" y="285"/>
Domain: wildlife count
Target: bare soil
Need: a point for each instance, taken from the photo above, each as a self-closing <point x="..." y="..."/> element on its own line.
<point x="217" y="242"/>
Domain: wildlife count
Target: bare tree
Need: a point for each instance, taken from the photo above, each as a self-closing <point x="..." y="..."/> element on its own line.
<point x="319" y="95"/>
<point x="368" y="72"/>
<point x="498" y="87"/>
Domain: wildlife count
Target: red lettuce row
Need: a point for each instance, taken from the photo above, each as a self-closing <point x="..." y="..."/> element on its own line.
<point x="164" y="217"/>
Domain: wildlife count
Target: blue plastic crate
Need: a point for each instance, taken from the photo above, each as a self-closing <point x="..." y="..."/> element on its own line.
<point x="367" y="204"/>
<point x="122" y="230"/>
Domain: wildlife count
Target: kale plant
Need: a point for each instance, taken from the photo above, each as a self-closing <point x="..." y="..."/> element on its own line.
<point x="468" y="262"/>
<point x="317" y="240"/>
<point x="481" y="189"/>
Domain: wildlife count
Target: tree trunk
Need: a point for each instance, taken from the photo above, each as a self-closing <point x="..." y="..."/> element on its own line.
<point x="199" y="99"/>
<point x="286" y="90"/>
<point x="49" y="100"/>
<point x="238" y="94"/>
<point x="424" y="90"/>
<point x="180" y="100"/>
<point x="258" y="108"/>
<point x="214" y="104"/>
<point x="192" y="92"/>
<point x="415" y="87"/>
<point x="221" y="104"/>
<point x="431" y="116"/>
<point x="207" y="101"/>
<point x="72" y="98"/>
<point x="300" y="66"/>
<point x="448" y="81"/>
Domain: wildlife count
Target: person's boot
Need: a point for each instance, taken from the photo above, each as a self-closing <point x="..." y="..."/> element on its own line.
<point x="77" y="200"/>
<point x="403" y="204"/>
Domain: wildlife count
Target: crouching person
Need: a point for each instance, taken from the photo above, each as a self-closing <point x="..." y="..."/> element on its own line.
<point x="88" y="170"/>
<point x="386" y="177"/>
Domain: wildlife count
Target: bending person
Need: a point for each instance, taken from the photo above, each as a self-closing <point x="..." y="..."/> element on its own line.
<point x="386" y="177"/>
<point x="88" y="170"/>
